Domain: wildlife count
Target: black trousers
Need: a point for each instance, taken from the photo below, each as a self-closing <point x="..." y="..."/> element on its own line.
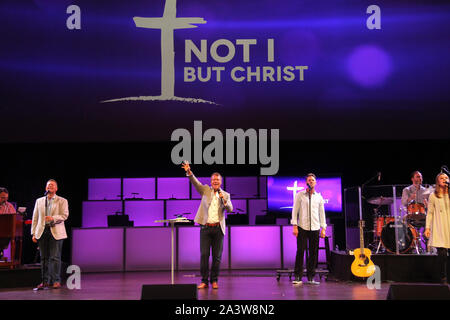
<point x="211" y="239"/>
<point x="310" y="240"/>
<point x="444" y="267"/>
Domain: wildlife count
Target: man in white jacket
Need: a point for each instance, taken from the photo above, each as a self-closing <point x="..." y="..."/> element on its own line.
<point x="48" y="229"/>
<point x="211" y="217"/>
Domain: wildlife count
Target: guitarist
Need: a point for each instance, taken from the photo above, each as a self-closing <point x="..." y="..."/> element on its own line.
<point x="308" y="217"/>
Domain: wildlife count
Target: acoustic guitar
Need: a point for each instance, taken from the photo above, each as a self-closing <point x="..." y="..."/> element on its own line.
<point x="362" y="267"/>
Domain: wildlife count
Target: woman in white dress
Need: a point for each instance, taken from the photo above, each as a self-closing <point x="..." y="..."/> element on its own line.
<point x="438" y="223"/>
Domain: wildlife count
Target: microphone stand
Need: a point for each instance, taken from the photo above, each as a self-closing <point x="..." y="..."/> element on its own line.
<point x="375" y="176"/>
<point x="310" y="214"/>
<point x="360" y="189"/>
<point x="444" y="169"/>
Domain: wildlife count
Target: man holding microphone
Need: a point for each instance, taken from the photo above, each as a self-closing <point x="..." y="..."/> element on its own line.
<point x="211" y="217"/>
<point x="308" y="217"/>
<point x="49" y="231"/>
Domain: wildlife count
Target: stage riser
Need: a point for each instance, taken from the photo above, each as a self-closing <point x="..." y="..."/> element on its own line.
<point x="26" y="277"/>
<point x="399" y="268"/>
<point x="20" y="278"/>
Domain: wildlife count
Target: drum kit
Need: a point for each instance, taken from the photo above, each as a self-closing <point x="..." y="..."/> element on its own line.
<point x="408" y="228"/>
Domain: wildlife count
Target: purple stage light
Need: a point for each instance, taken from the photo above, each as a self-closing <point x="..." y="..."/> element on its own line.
<point x="242" y="187"/>
<point x="104" y="189"/>
<point x="144" y="213"/>
<point x="239" y="206"/>
<point x="177" y="188"/>
<point x="256" y="207"/>
<point x="148" y="249"/>
<point x="263" y="187"/>
<point x="180" y="207"/>
<point x="95" y="212"/>
<point x="144" y="187"/>
<point x="98" y="249"/>
<point x="369" y="66"/>
<point x="255" y="247"/>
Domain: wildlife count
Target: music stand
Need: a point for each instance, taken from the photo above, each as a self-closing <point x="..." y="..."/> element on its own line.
<point x="172" y="227"/>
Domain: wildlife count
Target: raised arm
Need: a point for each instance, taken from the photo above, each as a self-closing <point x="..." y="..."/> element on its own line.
<point x="197" y="184"/>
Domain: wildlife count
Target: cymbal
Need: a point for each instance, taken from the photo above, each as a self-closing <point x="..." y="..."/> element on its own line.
<point x="381" y="200"/>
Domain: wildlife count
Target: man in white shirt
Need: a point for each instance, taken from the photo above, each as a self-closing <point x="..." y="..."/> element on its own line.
<point x="211" y="217"/>
<point x="308" y="217"/>
<point x="416" y="191"/>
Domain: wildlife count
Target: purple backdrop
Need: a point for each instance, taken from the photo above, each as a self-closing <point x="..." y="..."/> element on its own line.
<point x="182" y="206"/>
<point x="98" y="249"/>
<point x="104" y="189"/>
<point x="148" y="248"/>
<point x="177" y="188"/>
<point x="95" y="212"/>
<point x="242" y="187"/>
<point x="189" y="249"/>
<point x="290" y="246"/>
<point x="144" y="213"/>
<point x="255" y="247"/>
<point x="256" y="207"/>
<point x="144" y="186"/>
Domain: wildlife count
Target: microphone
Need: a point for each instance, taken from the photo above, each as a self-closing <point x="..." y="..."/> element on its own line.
<point x="221" y="198"/>
<point x="379" y="176"/>
<point x="46" y="193"/>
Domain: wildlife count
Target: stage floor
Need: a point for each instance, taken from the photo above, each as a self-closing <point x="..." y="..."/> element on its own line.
<point x="234" y="285"/>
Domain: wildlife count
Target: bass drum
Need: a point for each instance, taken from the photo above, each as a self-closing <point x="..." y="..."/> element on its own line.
<point x="407" y="235"/>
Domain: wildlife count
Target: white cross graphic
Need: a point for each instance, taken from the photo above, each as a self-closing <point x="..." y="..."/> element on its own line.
<point x="167" y="23"/>
<point x="294" y="190"/>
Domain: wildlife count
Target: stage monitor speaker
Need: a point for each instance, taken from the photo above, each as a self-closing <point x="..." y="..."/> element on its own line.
<point x="418" y="292"/>
<point x="169" y="292"/>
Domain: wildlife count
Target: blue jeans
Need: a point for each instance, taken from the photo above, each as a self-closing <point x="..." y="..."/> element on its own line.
<point x="210" y="238"/>
<point x="50" y="249"/>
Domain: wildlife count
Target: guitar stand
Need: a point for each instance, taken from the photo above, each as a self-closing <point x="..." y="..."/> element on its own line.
<point x="378" y="248"/>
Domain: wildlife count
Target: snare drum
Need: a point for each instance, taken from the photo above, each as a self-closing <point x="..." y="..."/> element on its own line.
<point x="416" y="208"/>
<point x="416" y="213"/>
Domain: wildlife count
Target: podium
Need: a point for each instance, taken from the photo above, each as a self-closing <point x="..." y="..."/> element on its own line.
<point x="11" y="229"/>
<point x="172" y="227"/>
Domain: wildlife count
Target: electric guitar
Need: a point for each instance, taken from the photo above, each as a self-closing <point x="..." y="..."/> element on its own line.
<point x="362" y="267"/>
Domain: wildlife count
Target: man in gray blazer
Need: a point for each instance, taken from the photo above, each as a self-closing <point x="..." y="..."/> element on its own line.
<point x="48" y="229"/>
<point x="211" y="217"/>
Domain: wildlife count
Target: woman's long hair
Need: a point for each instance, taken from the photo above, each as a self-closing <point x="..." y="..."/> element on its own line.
<point x="439" y="191"/>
